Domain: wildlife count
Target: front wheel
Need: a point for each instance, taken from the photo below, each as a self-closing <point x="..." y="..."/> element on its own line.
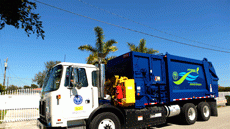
<point x="189" y="114"/>
<point x="105" y="120"/>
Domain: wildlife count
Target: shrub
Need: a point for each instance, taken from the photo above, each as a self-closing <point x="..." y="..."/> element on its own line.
<point x="223" y="89"/>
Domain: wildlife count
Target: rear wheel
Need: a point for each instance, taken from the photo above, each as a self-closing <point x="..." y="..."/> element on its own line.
<point x="189" y="114"/>
<point x="105" y="120"/>
<point x="204" y="111"/>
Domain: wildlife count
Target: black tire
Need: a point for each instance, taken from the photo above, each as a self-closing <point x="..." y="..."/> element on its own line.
<point x="213" y="108"/>
<point x="204" y="111"/>
<point x="188" y="114"/>
<point x="105" y="119"/>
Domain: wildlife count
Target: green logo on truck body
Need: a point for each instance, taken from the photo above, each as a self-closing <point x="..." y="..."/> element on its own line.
<point x="186" y="76"/>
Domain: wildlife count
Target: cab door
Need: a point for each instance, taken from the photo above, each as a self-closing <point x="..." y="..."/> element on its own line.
<point x="80" y="96"/>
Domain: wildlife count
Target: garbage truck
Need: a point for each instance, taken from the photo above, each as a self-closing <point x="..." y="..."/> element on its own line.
<point x="134" y="90"/>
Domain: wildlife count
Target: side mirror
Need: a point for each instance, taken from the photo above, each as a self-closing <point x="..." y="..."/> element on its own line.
<point x="69" y="77"/>
<point x="73" y="78"/>
<point x="78" y="85"/>
<point x="75" y="84"/>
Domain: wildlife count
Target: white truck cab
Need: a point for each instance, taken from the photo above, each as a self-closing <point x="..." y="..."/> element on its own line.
<point x="68" y="98"/>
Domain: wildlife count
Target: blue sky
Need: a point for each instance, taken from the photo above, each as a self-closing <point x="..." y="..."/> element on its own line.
<point x="205" y="21"/>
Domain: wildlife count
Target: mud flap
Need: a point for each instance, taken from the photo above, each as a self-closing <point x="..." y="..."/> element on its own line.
<point x="213" y="107"/>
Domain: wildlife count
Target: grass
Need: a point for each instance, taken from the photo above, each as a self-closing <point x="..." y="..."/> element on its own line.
<point x="2" y="114"/>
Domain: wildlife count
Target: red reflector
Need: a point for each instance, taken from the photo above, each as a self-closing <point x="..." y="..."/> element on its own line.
<point x="59" y="119"/>
<point x="146" y="103"/>
<point x="126" y="55"/>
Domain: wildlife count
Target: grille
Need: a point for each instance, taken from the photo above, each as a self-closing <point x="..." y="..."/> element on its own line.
<point x="42" y="110"/>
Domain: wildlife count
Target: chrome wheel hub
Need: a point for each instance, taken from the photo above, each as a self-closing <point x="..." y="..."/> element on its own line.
<point x="206" y="111"/>
<point x="106" y="124"/>
<point x="191" y="113"/>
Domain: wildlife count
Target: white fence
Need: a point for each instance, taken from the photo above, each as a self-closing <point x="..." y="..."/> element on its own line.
<point x="223" y="94"/>
<point x="221" y="100"/>
<point x="19" y="105"/>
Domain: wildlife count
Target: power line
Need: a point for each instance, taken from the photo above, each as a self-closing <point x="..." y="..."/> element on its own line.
<point x="132" y="29"/>
<point x="149" y="26"/>
<point x="17" y="77"/>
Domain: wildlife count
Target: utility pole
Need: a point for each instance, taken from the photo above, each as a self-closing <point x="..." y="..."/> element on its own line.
<point x="5" y="72"/>
<point x="7" y="82"/>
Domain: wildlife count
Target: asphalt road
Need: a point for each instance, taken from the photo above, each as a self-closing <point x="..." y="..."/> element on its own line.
<point x="220" y="122"/>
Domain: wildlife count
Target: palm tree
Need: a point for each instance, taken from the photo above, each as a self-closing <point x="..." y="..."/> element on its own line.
<point x="141" y="47"/>
<point x="103" y="48"/>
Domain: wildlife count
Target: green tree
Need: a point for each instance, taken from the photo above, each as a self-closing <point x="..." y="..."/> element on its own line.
<point x="25" y="87"/>
<point x="19" y="13"/>
<point x="223" y="89"/>
<point x="12" y="87"/>
<point x="2" y="88"/>
<point x="40" y="76"/>
<point x="103" y="48"/>
<point x="142" y="48"/>
<point x="34" y="86"/>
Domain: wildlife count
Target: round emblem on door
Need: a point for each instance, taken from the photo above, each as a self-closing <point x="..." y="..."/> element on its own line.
<point x="175" y="75"/>
<point x="77" y="99"/>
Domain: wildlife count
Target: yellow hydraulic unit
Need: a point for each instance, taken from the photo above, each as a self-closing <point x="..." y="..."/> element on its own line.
<point x="125" y="91"/>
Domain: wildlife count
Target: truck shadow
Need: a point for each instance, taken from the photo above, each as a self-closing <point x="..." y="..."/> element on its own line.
<point x="172" y="120"/>
<point x="176" y="120"/>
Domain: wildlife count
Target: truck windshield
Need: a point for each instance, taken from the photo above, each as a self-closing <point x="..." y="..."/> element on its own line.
<point x="52" y="79"/>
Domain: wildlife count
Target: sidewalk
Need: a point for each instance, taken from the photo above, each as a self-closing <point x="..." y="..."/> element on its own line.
<point x="20" y="125"/>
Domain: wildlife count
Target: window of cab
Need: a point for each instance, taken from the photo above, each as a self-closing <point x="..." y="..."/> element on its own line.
<point x="94" y="78"/>
<point x="78" y="75"/>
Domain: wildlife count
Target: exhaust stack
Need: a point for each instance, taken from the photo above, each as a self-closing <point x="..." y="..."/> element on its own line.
<point x="101" y="78"/>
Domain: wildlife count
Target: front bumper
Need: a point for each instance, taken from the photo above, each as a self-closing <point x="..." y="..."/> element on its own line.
<point x="43" y="125"/>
